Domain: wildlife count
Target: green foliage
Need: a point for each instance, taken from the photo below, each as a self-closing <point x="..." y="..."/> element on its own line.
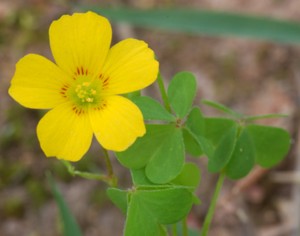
<point x="118" y="197"/>
<point x="161" y="151"/>
<point x="181" y="93"/>
<point x="152" y="109"/>
<point x="223" y="151"/>
<point x="242" y="158"/>
<point x="189" y="176"/>
<point x="207" y="22"/>
<point x="70" y="227"/>
<point x="150" y="208"/>
<point x="271" y="144"/>
<point x="164" y="185"/>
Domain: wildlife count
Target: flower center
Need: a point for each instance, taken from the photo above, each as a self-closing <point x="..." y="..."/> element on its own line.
<point x="85" y="91"/>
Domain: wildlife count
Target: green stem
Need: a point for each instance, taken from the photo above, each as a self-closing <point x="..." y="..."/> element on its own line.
<point x="109" y="168"/>
<point x="163" y="92"/>
<point x="212" y="206"/>
<point x="185" y="231"/>
<point x="174" y="230"/>
<point x="86" y="175"/>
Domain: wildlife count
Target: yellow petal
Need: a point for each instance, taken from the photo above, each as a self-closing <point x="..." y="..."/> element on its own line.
<point x="65" y="134"/>
<point x="130" y="66"/>
<point x="37" y="83"/>
<point x="80" y="42"/>
<point x="117" y="124"/>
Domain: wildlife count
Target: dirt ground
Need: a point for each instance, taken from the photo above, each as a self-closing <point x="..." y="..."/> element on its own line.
<point x="251" y="76"/>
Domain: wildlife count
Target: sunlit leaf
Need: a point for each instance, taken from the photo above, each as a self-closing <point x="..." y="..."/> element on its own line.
<point x="118" y="197"/>
<point x="149" y="208"/>
<point x="181" y="93"/>
<point x="152" y="109"/>
<point x="160" y="151"/>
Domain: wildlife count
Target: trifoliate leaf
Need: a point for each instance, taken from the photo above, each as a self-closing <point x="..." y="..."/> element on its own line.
<point x="195" y="141"/>
<point x="243" y="156"/>
<point x="271" y="144"/>
<point x="118" y="197"/>
<point x="160" y="151"/>
<point x="215" y="128"/>
<point x="152" y="109"/>
<point x="189" y="176"/>
<point x="223" y="151"/>
<point x="181" y="93"/>
<point x="148" y="209"/>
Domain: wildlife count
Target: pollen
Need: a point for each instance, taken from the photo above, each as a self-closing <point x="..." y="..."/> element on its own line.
<point x="85" y="92"/>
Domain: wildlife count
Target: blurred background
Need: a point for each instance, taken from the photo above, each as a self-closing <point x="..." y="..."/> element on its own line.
<point x="251" y="76"/>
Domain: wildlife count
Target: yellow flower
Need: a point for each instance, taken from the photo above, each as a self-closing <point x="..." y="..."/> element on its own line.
<point x="83" y="88"/>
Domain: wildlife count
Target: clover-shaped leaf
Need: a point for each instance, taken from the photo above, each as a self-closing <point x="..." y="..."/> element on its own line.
<point x="118" y="197"/>
<point x="243" y="157"/>
<point x="148" y="209"/>
<point x="160" y="151"/>
<point x="271" y="144"/>
<point x="152" y="109"/>
<point x="223" y="151"/>
<point x="181" y="93"/>
<point x="189" y="176"/>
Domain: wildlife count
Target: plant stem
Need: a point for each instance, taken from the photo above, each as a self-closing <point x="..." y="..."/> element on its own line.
<point x="184" y="227"/>
<point x="211" y="210"/>
<point x="87" y="175"/>
<point x="174" y="230"/>
<point x="163" y="92"/>
<point x="109" y="168"/>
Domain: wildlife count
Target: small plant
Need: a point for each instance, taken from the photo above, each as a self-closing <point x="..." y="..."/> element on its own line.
<point x="94" y="90"/>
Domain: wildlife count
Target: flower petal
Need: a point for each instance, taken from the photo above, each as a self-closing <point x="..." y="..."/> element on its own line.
<point x="130" y="66"/>
<point x="37" y="83"/>
<point x="80" y="42"/>
<point x="117" y="124"/>
<point x="65" y="134"/>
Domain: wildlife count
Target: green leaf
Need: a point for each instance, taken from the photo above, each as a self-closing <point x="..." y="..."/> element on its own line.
<point x="221" y="107"/>
<point x="271" y="144"/>
<point x="168" y="159"/>
<point x="215" y="128"/>
<point x="195" y="121"/>
<point x="189" y="176"/>
<point x="161" y="150"/>
<point x="139" y="177"/>
<point x="223" y="151"/>
<point x="267" y="116"/>
<point x="118" y="197"/>
<point x="133" y="95"/>
<point x="181" y="93"/>
<point x="70" y="227"/>
<point x="138" y="154"/>
<point x="149" y="208"/>
<point x="152" y="109"/>
<point x="194" y="132"/>
<point x="207" y="22"/>
<point x="191" y="145"/>
<point x="243" y="156"/>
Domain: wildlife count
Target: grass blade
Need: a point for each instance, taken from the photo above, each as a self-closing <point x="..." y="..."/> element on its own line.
<point x="207" y="22"/>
